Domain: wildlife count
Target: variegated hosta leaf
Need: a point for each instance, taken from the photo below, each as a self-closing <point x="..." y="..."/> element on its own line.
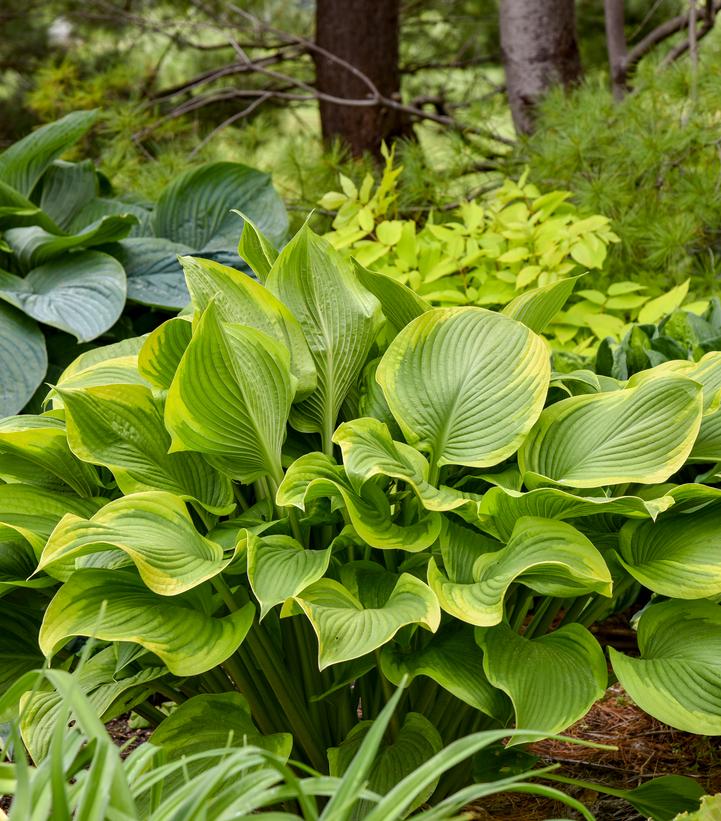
<point x="33" y="511"/>
<point x="230" y="398"/>
<point x="400" y="304"/>
<point x="162" y="351"/>
<point x="678" y="677"/>
<point x="452" y="659"/>
<point x="372" y="402"/>
<point x="122" y="428"/>
<point x="153" y="529"/>
<point x="537" y="307"/>
<point x="347" y="630"/>
<point x="279" y="568"/>
<point x="100" y="682"/>
<point x="240" y="299"/>
<point x="550" y="557"/>
<point x="465" y="384"/>
<point x="256" y="249"/>
<point x="552" y="680"/>
<point x="641" y="434"/>
<point x="34" y="450"/>
<point x="417" y="741"/>
<point x="369" y="451"/>
<point x="115" y="605"/>
<point x="213" y="721"/>
<point x="676" y="556"/>
<point x="339" y="319"/>
<point x="505" y="506"/>
<point x="316" y="476"/>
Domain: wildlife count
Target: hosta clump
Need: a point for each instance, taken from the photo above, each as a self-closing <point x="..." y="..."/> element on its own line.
<point x="316" y="486"/>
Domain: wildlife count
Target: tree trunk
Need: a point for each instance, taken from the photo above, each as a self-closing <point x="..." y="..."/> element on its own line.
<point x="364" y="34"/>
<point x="538" y="44"/>
<point x="616" y="46"/>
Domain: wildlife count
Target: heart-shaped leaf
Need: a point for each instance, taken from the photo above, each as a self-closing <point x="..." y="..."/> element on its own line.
<point x="153" y="271"/>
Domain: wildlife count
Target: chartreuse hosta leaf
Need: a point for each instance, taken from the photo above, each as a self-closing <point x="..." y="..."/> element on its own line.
<point x="400" y="304"/>
<point x="17" y="562"/>
<point x="162" y="351"/>
<point x="316" y="476"/>
<point x="153" y="529"/>
<point x="552" y="680"/>
<point x="34" y="450"/>
<point x="550" y="557"/>
<point x="677" y="556"/>
<point x="279" y="568"/>
<point x="641" y="434"/>
<point x="417" y="741"/>
<point x="255" y="248"/>
<point x="122" y="428"/>
<point x="33" y="511"/>
<point x="505" y="506"/>
<point x="230" y="398"/>
<point x="99" y="680"/>
<point x="212" y="722"/>
<point x="536" y="308"/>
<point x="677" y="679"/>
<point x="452" y="659"/>
<point x="368" y="451"/>
<point x="239" y="298"/>
<point x="339" y="319"/>
<point x="465" y="384"/>
<point x="115" y="605"/>
<point x="347" y="629"/>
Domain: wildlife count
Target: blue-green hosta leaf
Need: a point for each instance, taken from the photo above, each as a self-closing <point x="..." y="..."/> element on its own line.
<point x="455" y="662"/>
<point x="196" y="208"/>
<point x="115" y="605"/>
<point x="34" y="450"/>
<point x="153" y="529"/>
<point x="255" y="249"/>
<point x="368" y="451"/>
<point x="22" y="165"/>
<point x="66" y="188"/>
<point x="548" y="556"/>
<point x="465" y="384"/>
<point x="17" y="210"/>
<point x="34" y="512"/>
<point x="154" y="274"/>
<point x="82" y="294"/>
<point x="641" y="434"/>
<point x="339" y="319"/>
<point x="536" y="308"/>
<point x="346" y="630"/>
<point x="552" y="680"/>
<point x="239" y="298"/>
<point x="98" y="680"/>
<point x="162" y="351"/>
<point x="417" y="741"/>
<point x="279" y="568"/>
<point x="213" y="722"/>
<point x="676" y="556"/>
<point x="122" y="428"/>
<point x="34" y="245"/>
<point x="23" y="359"/>
<point x="230" y="398"/>
<point x="505" y="506"/>
<point x="316" y="476"/>
<point x="400" y="304"/>
<point x="678" y="677"/>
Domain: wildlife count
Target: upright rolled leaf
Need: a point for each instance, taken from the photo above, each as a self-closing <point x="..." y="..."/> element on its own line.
<point x="230" y="399"/>
<point x="552" y="680"/>
<point x="641" y="434"/>
<point x="255" y="248"/>
<point x="400" y="304"/>
<point x="122" y="428"/>
<point x="465" y="384"/>
<point x="239" y="298"/>
<point x="115" y="605"/>
<point x="677" y="679"/>
<point x="339" y="319"/>
<point x="536" y="308"/>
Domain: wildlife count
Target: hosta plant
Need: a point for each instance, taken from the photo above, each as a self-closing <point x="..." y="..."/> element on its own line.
<point x="71" y="252"/>
<point x="316" y="485"/>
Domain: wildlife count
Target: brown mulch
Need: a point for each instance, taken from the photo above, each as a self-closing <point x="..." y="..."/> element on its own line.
<point x="125" y="736"/>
